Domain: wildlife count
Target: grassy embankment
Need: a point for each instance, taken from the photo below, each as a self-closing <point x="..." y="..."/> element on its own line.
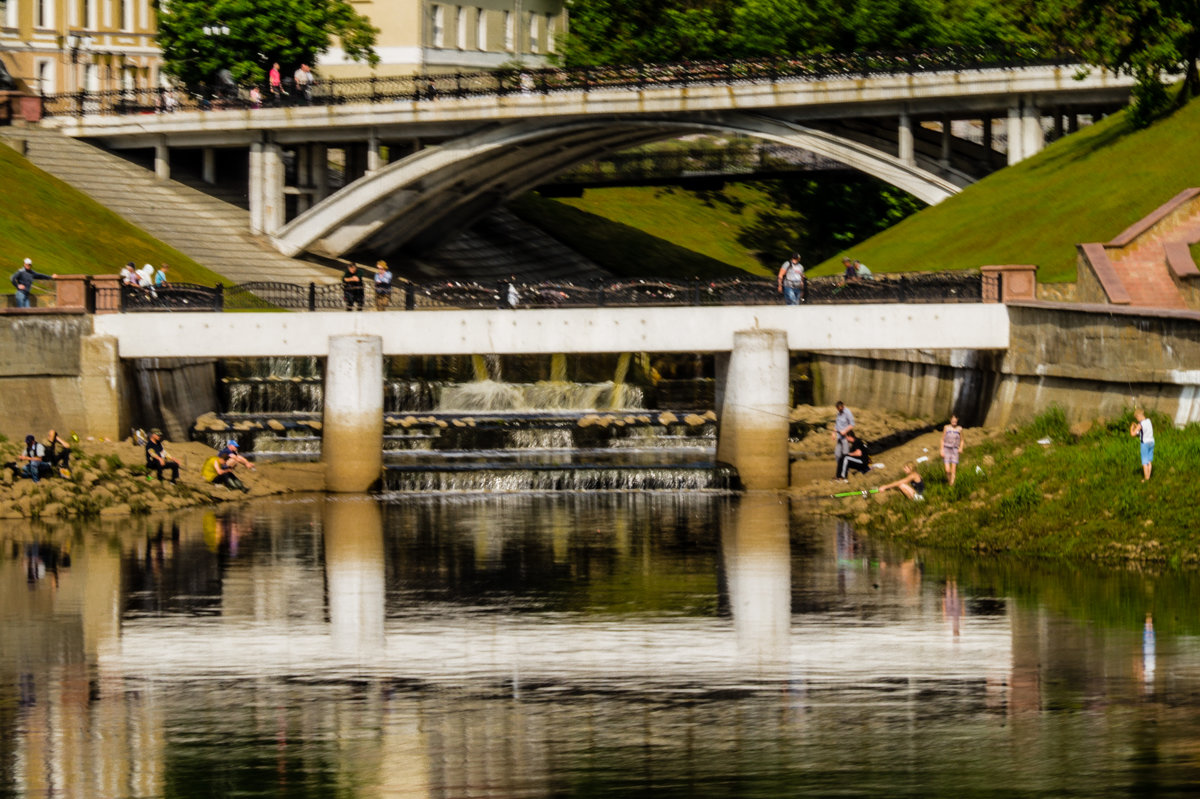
<point x="1088" y="186"/>
<point x="1047" y="492"/>
<point x="66" y="232"/>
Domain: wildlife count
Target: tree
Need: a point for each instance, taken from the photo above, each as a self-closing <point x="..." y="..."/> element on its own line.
<point x="1147" y="39"/>
<point x="261" y="32"/>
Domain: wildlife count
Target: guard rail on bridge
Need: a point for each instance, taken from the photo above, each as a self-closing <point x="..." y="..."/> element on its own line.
<point x="109" y="296"/>
<point x="427" y="87"/>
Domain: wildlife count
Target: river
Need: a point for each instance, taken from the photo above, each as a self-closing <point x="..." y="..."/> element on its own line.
<point x="602" y="645"/>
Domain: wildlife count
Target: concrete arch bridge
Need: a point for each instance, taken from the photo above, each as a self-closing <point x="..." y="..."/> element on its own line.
<point x="418" y="168"/>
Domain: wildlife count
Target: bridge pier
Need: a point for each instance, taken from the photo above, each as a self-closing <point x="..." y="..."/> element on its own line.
<point x="753" y="409"/>
<point x="266" y="188"/>
<point x="352" y="431"/>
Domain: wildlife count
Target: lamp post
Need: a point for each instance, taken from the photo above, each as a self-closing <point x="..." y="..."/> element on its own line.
<point x="79" y="44"/>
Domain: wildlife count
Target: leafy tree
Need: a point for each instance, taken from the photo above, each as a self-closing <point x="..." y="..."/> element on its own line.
<point x="1148" y="39"/>
<point x="261" y="32"/>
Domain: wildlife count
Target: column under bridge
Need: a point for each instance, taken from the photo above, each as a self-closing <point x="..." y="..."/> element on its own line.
<point x="752" y="344"/>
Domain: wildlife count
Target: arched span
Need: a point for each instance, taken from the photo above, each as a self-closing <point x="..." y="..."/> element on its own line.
<point x="444" y="188"/>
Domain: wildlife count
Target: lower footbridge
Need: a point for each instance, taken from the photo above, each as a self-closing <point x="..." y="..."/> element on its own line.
<point x="752" y="345"/>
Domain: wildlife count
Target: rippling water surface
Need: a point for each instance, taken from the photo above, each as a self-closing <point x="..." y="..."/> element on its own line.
<point x="593" y="645"/>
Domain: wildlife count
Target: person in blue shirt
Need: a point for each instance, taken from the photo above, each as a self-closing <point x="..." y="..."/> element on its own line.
<point x="22" y="281"/>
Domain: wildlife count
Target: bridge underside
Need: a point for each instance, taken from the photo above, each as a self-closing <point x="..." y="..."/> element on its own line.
<point x="416" y="202"/>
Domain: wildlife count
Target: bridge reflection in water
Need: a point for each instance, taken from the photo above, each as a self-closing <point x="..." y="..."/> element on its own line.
<point x="550" y="646"/>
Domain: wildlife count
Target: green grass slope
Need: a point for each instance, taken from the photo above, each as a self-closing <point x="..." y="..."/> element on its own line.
<point x="66" y="232"/>
<point x="1085" y="187"/>
<point x="635" y="232"/>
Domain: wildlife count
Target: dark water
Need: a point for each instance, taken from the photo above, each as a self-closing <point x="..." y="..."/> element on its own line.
<point x="597" y="645"/>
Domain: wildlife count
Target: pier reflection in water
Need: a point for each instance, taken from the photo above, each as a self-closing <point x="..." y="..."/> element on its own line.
<point x="604" y="645"/>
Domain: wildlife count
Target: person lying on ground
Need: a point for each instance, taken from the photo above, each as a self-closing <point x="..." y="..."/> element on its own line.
<point x="911" y="484"/>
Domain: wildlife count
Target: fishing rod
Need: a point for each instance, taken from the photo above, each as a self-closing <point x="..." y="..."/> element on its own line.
<point x="860" y="493"/>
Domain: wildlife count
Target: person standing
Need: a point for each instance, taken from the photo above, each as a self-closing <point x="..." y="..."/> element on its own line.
<point x="22" y="281"/>
<point x="275" y="83"/>
<point x="843" y="423"/>
<point x="952" y="446"/>
<point x="791" y="281"/>
<point x="383" y="285"/>
<point x="160" y="276"/>
<point x="352" y="288"/>
<point x="1143" y="429"/>
<point x="304" y="80"/>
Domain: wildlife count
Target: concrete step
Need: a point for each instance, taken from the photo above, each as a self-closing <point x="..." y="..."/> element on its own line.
<point x="210" y="230"/>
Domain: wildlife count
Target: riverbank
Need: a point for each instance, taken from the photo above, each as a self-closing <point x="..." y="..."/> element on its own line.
<point x="109" y="478"/>
<point x="1045" y="490"/>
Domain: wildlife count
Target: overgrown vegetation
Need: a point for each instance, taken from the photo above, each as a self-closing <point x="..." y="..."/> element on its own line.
<point x="66" y="232"/>
<point x="1043" y="490"/>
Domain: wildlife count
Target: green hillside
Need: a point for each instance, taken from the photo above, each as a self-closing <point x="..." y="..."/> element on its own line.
<point x="66" y="232"/>
<point x="1085" y="187"/>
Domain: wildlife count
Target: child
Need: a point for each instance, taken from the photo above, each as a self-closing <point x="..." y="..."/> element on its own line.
<point x="911" y="484"/>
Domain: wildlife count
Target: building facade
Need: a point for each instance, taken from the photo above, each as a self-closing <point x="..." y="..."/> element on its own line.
<point x="57" y="46"/>
<point x="422" y="36"/>
<point x="54" y="46"/>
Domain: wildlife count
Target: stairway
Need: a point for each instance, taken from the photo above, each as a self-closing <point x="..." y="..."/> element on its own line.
<point x="212" y="231"/>
<point x="1138" y="257"/>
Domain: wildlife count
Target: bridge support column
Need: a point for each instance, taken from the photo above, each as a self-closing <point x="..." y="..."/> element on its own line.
<point x="1033" y="137"/>
<point x="208" y="165"/>
<point x="352" y="432"/>
<point x="319" y="164"/>
<point x="1016" y="137"/>
<point x="753" y="409"/>
<point x="266" y="188"/>
<point x="162" y="159"/>
<point x="904" y="137"/>
<point x="101" y="384"/>
<point x="374" y="161"/>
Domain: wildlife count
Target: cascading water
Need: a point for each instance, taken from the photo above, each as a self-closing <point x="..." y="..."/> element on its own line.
<point x="463" y="428"/>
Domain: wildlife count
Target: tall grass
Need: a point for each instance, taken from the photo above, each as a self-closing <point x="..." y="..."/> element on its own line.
<point x="1042" y="491"/>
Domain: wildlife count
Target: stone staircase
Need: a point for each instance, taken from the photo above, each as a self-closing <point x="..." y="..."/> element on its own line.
<point x="212" y="230"/>
<point x="1148" y="265"/>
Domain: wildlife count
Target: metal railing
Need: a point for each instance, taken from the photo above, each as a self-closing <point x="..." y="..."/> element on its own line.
<point x="925" y="287"/>
<point x="500" y="82"/>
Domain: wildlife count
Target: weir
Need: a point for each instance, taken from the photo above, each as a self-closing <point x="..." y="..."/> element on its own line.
<point x="752" y="390"/>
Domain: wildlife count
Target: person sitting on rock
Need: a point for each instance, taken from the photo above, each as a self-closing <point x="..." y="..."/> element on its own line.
<point x="33" y="457"/>
<point x="219" y="471"/>
<point x="230" y="453"/>
<point x="157" y="458"/>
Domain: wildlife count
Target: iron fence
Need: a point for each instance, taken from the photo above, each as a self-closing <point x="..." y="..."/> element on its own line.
<point x="931" y="287"/>
<point x="431" y="87"/>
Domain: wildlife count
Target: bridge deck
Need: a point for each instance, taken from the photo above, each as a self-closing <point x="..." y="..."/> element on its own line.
<point x="549" y="331"/>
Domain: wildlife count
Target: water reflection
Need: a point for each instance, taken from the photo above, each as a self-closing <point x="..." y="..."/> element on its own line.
<point x="599" y="645"/>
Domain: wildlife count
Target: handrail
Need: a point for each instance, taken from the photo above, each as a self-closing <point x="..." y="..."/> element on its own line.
<point x="430" y="87"/>
<point x="922" y="287"/>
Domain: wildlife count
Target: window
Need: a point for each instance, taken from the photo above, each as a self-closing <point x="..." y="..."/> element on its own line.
<point x="439" y="26"/>
<point x="44" y="69"/>
<point x="533" y="32"/>
<point x="510" y="32"/>
<point x="460" y="28"/>
<point x="549" y="33"/>
<point x="91" y="78"/>
<point x="43" y="14"/>
<point x="8" y="13"/>
<point x="126" y="15"/>
<point x="481" y="39"/>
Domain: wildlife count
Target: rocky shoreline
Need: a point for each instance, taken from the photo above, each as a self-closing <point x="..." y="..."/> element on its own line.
<point x="109" y="478"/>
